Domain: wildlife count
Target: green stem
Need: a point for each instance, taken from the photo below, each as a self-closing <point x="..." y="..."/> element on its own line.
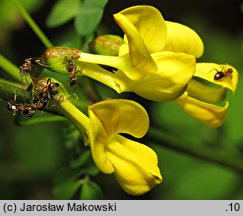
<point x="80" y="120"/>
<point x="16" y="94"/>
<point x="221" y="157"/>
<point x="10" y="68"/>
<point x="12" y="93"/>
<point x="33" y="25"/>
<point x="14" y="84"/>
<point x="44" y="119"/>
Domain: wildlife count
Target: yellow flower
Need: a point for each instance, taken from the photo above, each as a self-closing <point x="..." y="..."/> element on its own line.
<point x="134" y="165"/>
<point x="201" y="99"/>
<point x="144" y="25"/>
<point x="156" y="61"/>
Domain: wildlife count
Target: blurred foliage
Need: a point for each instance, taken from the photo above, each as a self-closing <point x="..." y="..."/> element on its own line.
<point x="10" y="16"/>
<point x="59" y="13"/>
<point x="31" y="155"/>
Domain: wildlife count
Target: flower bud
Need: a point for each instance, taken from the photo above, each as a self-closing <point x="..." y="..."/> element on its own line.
<point x="106" y="45"/>
<point x="56" y="57"/>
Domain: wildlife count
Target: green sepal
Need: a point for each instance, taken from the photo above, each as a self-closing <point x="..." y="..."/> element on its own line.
<point x="57" y="58"/>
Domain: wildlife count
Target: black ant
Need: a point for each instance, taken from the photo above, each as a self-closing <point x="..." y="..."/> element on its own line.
<point x="25" y="67"/>
<point x="12" y="107"/>
<point x="28" y="63"/>
<point x="49" y="90"/>
<point x="72" y="70"/>
<point x="224" y="72"/>
<point x="26" y="109"/>
<point x="40" y="105"/>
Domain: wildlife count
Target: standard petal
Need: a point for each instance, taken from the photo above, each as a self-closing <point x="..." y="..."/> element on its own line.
<point x="209" y="114"/>
<point x="174" y="72"/>
<point x="135" y="164"/>
<point x="207" y="71"/>
<point x="149" y="23"/>
<point x="181" y="38"/>
<point x="121" y="116"/>
<point x="141" y="60"/>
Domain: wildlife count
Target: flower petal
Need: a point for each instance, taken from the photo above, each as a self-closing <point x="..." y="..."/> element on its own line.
<point x="209" y="114"/>
<point x="207" y="71"/>
<point x="181" y="38"/>
<point x="121" y="116"/>
<point x="135" y="164"/>
<point x="111" y="117"/>
<point x="174" y="72"/>
<point x="148" y="22"/>
<point x="141" y="59"/>
<point x="98" y="141"/>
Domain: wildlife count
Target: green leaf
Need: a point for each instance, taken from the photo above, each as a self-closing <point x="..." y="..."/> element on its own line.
<point x="90" y="191"/>
<point x="92" y="170"/>
<point x="87" y="20"/>
<point x="71" y="136"/>
<point x="66" y="174"/>
<point x="81" y="160"/>
<point x="66" y="190"/>
<point x="66" y="183"/>
<point x="95" y="3"/>
<point x="62" y="12"/>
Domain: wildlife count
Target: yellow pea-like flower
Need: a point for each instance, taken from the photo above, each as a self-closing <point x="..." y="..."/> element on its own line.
<point x="201" y="100"/>
<point x="154" y="61"/>
<point x="134" y="165"/>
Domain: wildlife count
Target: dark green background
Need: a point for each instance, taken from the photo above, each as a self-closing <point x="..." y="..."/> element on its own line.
<point x="30" y="156"/>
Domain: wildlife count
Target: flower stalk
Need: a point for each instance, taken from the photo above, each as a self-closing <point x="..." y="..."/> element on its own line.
<point x="10" y="68"/>
<point x="71" y="112"/>
<point x="14" y="93"/>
